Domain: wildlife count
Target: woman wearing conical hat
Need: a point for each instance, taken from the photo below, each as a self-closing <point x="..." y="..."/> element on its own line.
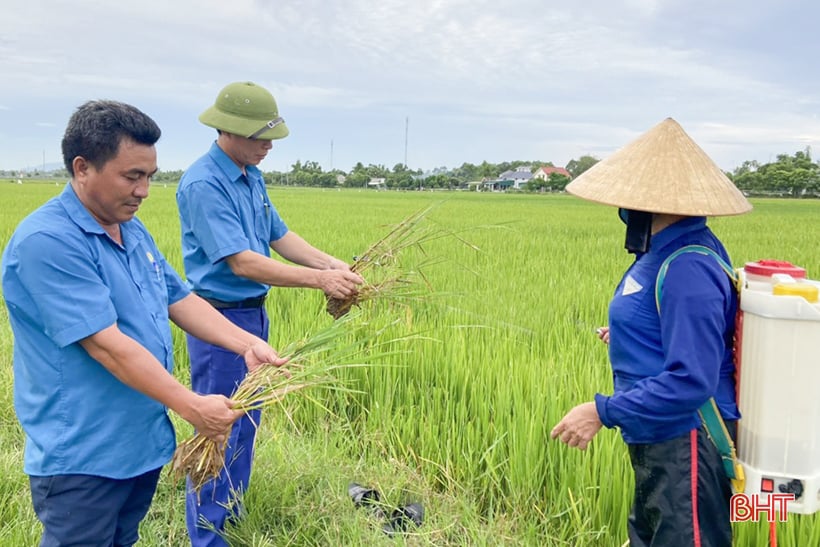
<point x="672" y="355"/>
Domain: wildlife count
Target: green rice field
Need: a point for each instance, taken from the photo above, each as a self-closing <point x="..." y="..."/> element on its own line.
<point x="460" y="420"/>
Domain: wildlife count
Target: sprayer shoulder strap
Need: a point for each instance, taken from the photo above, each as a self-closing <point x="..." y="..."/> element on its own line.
<point x="709" y="413"/>
<point x="733" y="275"/>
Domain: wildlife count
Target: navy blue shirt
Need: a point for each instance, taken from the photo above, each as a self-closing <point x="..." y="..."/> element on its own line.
<point x="65" y="279"/>
<point x="223" y="212"/>
<point x="667" y="366"/>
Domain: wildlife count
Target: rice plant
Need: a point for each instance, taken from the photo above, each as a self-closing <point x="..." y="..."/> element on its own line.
<point x="461" y="417"/>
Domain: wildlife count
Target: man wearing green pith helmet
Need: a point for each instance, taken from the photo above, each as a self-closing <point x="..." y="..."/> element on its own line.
<point x="229" y="226"/>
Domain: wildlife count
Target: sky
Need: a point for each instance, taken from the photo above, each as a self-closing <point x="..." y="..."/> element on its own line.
<point x="429" y="83"/>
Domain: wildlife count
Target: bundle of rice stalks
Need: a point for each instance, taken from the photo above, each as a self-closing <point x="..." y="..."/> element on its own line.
<point x="386" y="278"/>
<point x="312" y="363"/>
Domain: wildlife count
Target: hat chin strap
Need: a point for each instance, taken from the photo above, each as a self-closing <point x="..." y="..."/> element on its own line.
<point x="270" y="125"/>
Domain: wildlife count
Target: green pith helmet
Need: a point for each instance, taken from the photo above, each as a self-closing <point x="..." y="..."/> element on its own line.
<point x="247" y="110"/>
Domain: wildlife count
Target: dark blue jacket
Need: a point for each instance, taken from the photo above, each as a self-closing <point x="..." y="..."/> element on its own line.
<point x="665" y="367"/>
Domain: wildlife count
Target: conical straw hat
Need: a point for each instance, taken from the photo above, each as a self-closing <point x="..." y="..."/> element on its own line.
<point x="662" y="171"/>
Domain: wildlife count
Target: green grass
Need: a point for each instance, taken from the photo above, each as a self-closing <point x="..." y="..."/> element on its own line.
<point x="461" y="422"/>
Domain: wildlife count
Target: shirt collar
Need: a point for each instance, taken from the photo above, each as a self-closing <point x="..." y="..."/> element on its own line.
<point x="226" y="164"/>
<point x="674" y="231"/>
<point x="78" y="213"/>
<point x="81" y="216"/>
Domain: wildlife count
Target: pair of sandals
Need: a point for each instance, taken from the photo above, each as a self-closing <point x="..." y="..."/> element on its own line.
<point x="399" y="520"/>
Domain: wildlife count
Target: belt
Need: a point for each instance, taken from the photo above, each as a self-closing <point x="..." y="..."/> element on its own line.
<point x="256" y="302"/>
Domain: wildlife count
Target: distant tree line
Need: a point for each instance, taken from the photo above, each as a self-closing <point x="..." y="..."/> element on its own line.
<point x="788" y="176"/>
<point x="401" y="177"/>
<point x="792" y="176"/>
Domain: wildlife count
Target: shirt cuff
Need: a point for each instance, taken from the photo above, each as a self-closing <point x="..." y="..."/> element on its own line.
<point x="601" y="403"/>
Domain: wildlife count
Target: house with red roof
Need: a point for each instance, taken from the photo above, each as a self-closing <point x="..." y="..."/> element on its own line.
<point x="544" y="173"/>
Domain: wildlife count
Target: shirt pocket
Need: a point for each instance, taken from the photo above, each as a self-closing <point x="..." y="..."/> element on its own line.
<point x="262" y="224"/>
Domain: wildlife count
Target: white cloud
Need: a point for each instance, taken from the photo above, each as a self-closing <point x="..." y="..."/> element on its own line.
<point x="553" y="77"/>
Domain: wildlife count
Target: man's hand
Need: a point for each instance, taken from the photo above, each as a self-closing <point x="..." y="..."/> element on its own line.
<point x="578" y="427"/>
<point x="212" y="416"/>
<point x="603" y="334"/>
<point x="259" y="354"/>
<point x="339" y="283"/>
<point x="336" y="264"/>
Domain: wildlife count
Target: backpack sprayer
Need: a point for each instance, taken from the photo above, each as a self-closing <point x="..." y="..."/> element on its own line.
<point x="778" y="380"/>
<point x="777" y="368"/>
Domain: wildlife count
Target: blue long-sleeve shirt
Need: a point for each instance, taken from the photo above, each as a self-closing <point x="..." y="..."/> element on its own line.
<point x="666" y="366"/>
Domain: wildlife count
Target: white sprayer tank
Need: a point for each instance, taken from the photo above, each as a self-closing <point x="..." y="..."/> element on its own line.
<point x="779" y="383"/>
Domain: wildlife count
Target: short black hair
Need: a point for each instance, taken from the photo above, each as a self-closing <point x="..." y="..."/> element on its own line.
<point x="96" y="128"/>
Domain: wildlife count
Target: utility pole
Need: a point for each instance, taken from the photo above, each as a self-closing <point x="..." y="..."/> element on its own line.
<point x="406" y="129"/>
<point x="331" y="154"/>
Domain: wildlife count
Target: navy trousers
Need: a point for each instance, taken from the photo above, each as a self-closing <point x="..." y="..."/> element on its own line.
<point x="217" y="371"/>
<point x="92" y="511"/>
<point x="682" y="493"/>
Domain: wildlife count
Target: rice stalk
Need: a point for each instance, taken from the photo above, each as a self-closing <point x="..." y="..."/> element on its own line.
<point x="312" y="362"/>
<point x="386" y="278"/>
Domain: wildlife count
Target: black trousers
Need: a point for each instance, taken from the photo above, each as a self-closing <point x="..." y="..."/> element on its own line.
<point x="682" y="493"/>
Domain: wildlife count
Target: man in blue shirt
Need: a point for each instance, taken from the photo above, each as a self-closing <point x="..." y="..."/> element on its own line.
<point x="229" y="226"/>
<point x="669" y="356"/>
<point x="90" y="297"/>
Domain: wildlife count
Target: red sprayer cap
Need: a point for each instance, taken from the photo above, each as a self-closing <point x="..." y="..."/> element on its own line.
<point x="768" y="268"/>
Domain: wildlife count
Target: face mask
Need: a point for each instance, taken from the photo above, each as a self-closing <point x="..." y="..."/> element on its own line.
<point x="638" y="229"/>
